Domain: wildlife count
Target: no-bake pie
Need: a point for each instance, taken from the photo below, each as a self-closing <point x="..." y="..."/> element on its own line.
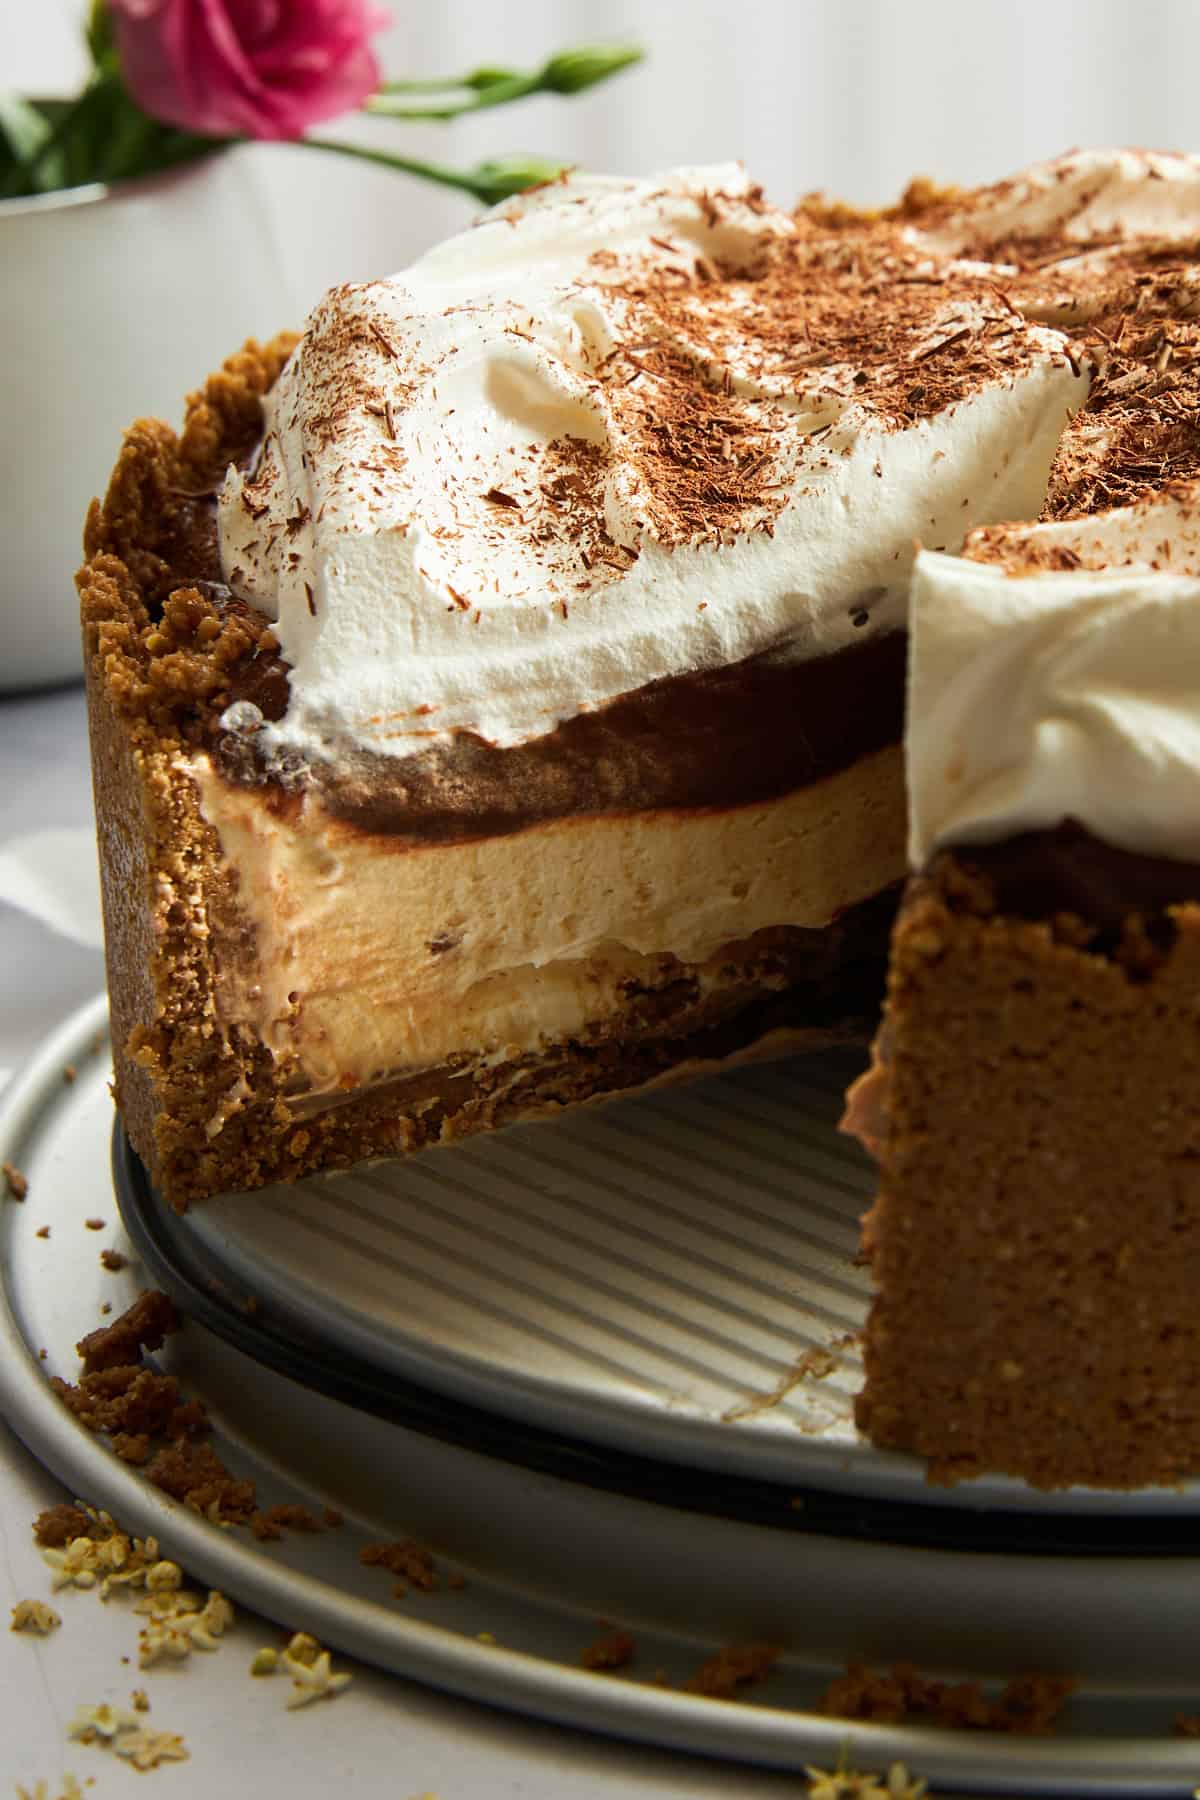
<point x="497" y="700"/>
<point x="496" y="695"/>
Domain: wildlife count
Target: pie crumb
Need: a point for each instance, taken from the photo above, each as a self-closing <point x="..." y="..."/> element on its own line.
<point x="611" y="1650"/>
<point x="16" y="1183"/>
<point x="287" y="1516"/>
<point x="736" y="1666"/>
<point x="58" y="1525"/>
<point x="1029" y="1704"/>
<point x="405" y="1558"/>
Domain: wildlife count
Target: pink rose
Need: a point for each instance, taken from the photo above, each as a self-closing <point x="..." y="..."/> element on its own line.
<point x="247" y="68"/>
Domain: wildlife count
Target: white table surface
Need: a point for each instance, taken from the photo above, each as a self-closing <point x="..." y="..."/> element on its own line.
<point x="383" y="1736"/>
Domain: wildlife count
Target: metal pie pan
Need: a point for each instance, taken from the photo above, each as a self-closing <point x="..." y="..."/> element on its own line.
<point x="297" y="1347"/>
<point x="671" y="1277"/>
<point x="544" y="1556"/>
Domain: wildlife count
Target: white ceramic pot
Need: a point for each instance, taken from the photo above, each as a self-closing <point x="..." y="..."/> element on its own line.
<point x="114" y="304"/>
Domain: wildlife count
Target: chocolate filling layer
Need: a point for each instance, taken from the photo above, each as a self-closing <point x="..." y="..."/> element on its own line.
<point x="709" y="738"/>
<point x="1039" y="874"/>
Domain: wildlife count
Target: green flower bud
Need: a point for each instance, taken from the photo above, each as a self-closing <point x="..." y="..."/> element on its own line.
<point x="573" y="70"/>
<point x="502" y="176"/>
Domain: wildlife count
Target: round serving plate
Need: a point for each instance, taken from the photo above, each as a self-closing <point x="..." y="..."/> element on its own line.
<point x="673" y="1277"/>
<point x="544" y="1558"/>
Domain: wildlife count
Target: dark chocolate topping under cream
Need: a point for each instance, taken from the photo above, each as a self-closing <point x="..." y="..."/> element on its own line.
<point x="1070" y="872"/>
<point x="714" y="739"/>
<point x="720" y="738"/>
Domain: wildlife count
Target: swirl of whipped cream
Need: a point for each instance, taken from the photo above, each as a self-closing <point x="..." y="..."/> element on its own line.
<point x="1083" y="197"/>
<point x="1053" y="676"/>
<point x="613" y="434"/>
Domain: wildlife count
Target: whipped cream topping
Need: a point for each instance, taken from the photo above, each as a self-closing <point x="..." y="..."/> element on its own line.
<point x="616" y="432"/>
<point x="1084" y="198"/>
<point x="1052" y="676"/>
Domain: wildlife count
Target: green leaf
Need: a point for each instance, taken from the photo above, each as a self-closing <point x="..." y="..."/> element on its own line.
<point x="86" y="130"/>
<point x="24" y="130"/>
<point x="53" y="110"/>
<point x="180" y="147"/>
<point x="22" y="126"/>
<point x="98" y="33"/>
<point x="114" y="140"/>
<point x="101" y="136"/>
<point x="50" y="162"/>
<point x="131" y="145"/>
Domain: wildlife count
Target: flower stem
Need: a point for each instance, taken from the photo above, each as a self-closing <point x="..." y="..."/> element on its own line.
<point x="497" y="93"/>
<point x="488" y="182"/>
<point x="431" y="171"/>
<point x="445" y="84"/>
<point x="569" y="72"/>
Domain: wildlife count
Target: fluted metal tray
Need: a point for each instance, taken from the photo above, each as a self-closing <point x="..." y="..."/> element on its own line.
<point x="673" y="1276"/>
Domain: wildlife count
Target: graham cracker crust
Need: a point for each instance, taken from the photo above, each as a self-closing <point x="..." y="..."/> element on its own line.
<point x="1035" y="1242"/>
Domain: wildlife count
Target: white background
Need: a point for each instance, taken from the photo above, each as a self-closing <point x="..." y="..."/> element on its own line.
<point x="849" y="95"/>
